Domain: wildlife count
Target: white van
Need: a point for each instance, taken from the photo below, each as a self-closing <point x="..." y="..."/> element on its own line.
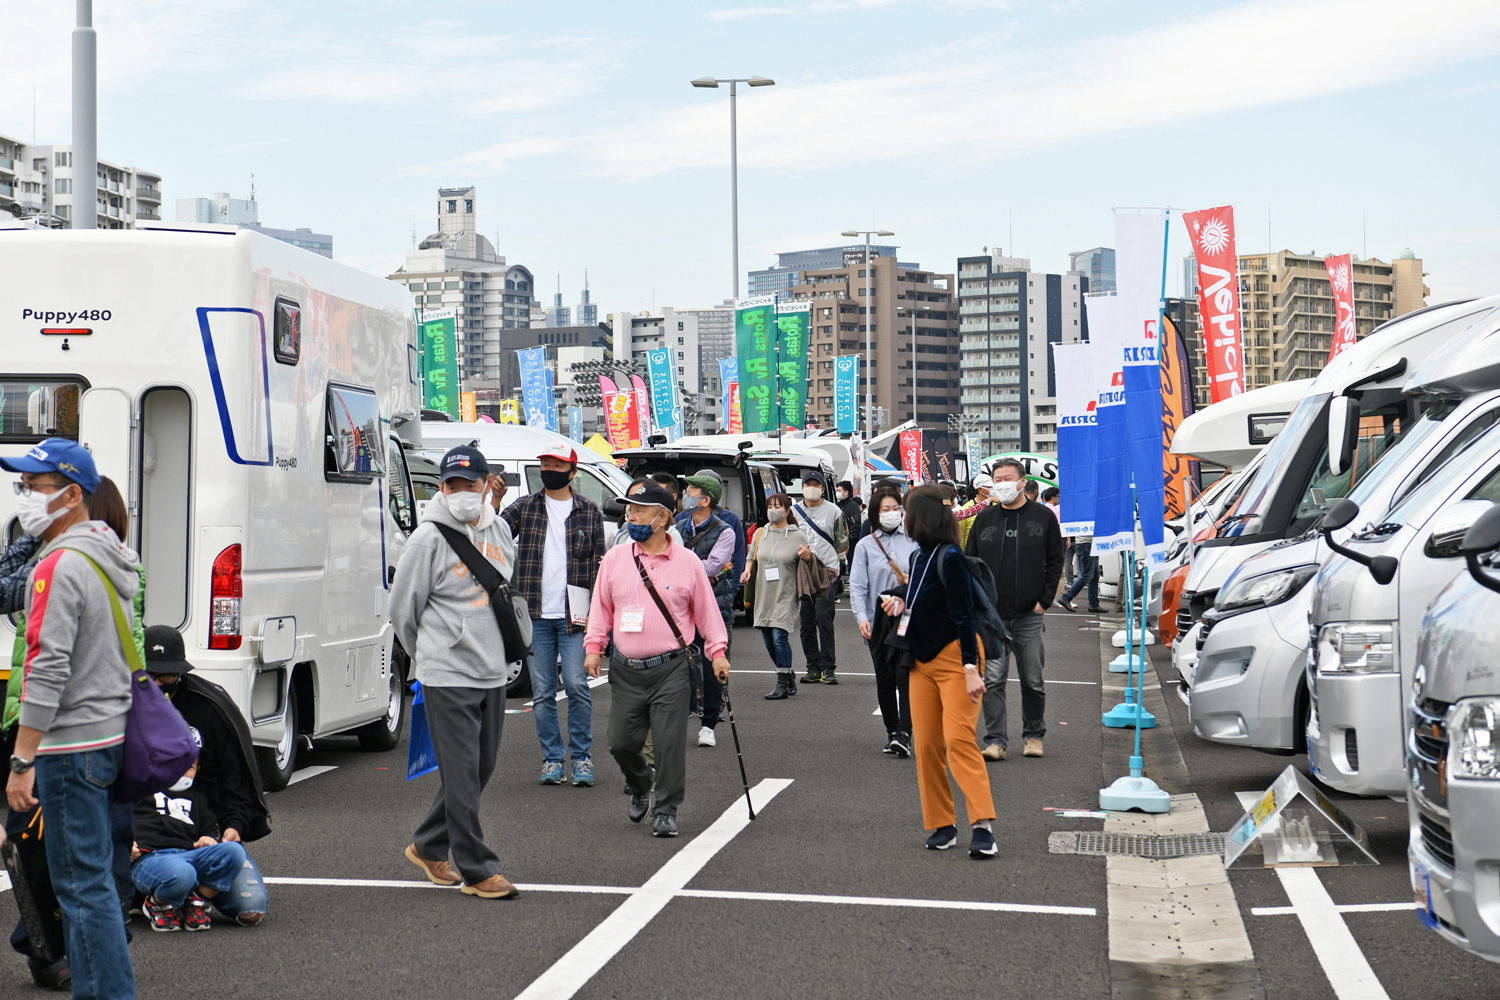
<point x="246" y="396"/>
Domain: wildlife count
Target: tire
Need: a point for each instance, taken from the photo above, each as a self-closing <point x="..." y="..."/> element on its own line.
<point x="518" y="680"/>
<point x="385" y="732"/>
<point x="277" y="763"/>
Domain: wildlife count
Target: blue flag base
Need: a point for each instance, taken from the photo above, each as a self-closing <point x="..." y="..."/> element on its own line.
<point x="421" y="758"/>
<point x="1125" y="663"/>
<point x="1134" y="793"/>
<point x="1128" y="713"/>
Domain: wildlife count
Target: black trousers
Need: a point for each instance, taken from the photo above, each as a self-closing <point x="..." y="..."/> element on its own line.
<point x="651" y="701"/>
<point x="892" y="680"/>
<point x="816" y="617"/>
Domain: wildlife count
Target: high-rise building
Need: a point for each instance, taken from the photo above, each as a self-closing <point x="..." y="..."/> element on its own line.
<point x="789" y="267"/>
<point x="715" y="341"/>
<point x="37" y="182"/>
<point x="1097" y="265"/>
<point x="245" y="213"/>
<point x="1009" y="318"/>
<point x="587" y="313"/>
<point x="906" y="304"/>
<point x="1287" y="311"/>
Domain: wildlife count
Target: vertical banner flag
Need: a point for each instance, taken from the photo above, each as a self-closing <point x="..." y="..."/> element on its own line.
<point x="575" y="423"/>
<point x="551" y="410"/>
<point x="793" y="320"/>
<point x="729" y="371"/>
<point x="911" y="454"/>
<point x="1076" y="432"/>
<point x="642" y="427"/>
<point x="1114" y="516"/>
<point x="846" y="393"/>
<point x="619" y="411"/>
<point x="1179" y="473"/>
<point x="1341" y="280"/>
<point x="857" y="466"/>
<point x="440" y="361"/>
<point x="663" y="389"/>
<point x="974" y="450"/>
<point x="939" y="454"/>
<point x="755" y="347"/>
<point x="736" y="418"/>
<point x="534" y="384"/>
<point x="510" y="411"/>
<point x="1140" y="280"/>
<point x="468" y="411"/>
<point x="1211" y="232"/>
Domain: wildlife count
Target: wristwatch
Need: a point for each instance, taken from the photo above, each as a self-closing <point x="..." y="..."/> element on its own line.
<point x="971" y="666"/>
<point x="19" y="765"/>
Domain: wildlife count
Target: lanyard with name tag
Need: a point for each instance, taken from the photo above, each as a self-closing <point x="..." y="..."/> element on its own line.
<point x="773" y="573"/>
<point x="632" y="619"/>
<point x="912" y="595"/>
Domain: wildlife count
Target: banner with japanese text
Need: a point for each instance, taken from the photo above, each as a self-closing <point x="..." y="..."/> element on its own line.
<point x="468" y="411"/>
<point x="1179" y="473"/>
<point x="1140" y="282"/>
<point x="736" y="417"/>
<point x="534" y="384"/>
<point x="1077" y="401"/>
<point x="439" y="340"/>
<point x="846" y="393"/>
<point x="1211" y="233"/>
<point x="1341" y="281"/>
<point x="510" y="411"/>
<point x="621" y="420"/>
<point x="663" y="388"/>
<point x="911" y="454"/>
<point x="729" y="371"/>
<point x="974" y="452"/>
<point x="755" y="347"/>
<point x="793" y="321"/>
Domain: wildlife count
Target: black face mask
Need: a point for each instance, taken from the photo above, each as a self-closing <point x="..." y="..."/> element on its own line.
<point x="169" y="689"/>
<point x="554" y="479"/>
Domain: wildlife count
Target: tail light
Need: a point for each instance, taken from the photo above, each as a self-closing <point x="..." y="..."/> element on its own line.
<point x="224" y="601"/>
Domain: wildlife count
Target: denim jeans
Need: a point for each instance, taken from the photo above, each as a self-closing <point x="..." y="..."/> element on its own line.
<point x="779" y="646"/>
<point x="246" y="894"/>
<point x="1088" y="575"/>
<point x="1026" y="639"/>
<point x="549" y="640"/>
<point x="75" y="792"/>
<point x="170" y="874"/>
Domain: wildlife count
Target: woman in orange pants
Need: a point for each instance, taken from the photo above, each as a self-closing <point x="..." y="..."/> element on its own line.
<point x="947" y="682"/>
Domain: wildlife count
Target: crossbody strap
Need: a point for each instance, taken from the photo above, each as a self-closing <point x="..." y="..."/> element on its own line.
<point x="661" y="604"/>
<point x="813" y="524"/>
<point x="902" y="577"/>
<point x="483" y="570"/>
<point x="127" y="641"/>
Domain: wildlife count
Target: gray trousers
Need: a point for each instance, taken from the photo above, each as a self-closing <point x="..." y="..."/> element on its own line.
<point x="654" y="701"/>
<point x="465" y="726"/>
<point x="1026" y="634"/>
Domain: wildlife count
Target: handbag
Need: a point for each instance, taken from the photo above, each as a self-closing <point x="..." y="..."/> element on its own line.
<point x="748" y="601"/>
<point x="159" y="747"/>
<point x="694" y="656"/>
<point x="511" y="613"/>
<point x="901" y="576"/>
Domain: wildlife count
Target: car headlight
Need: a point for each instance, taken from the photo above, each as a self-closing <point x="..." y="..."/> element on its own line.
<point x="1474" y="739"/>
<point x="1264" y="590"/>
<point x="1356" y="648"/>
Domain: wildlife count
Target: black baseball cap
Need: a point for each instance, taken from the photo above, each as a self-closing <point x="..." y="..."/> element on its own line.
<point x="463" y="462"/>
<point x="165" y="653"/>
<point x="653" y="496"/>
<point x="816" y="477"/>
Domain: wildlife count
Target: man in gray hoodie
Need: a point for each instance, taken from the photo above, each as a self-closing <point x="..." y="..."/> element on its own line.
<point x="74" y="701"/>
<point x="443" y="616"/>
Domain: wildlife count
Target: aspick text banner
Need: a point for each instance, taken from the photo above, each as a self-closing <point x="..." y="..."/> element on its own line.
<point x="1179" y="473"/>
<point x="911" y="454"/>
<point x="1076" y="432"/>
<point x="1341" y="280"/>
<point x="1212" y="234"/>
<point x="440" y="361"/>
<point x="792" y="323"/>
<point x="1114" y="514"/>
<point x="1140" y="259"/>
<point x="755" y="347"/>
<point x="846" y="393"/>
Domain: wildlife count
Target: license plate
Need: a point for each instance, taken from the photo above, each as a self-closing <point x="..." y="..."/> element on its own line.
<point x="1421" y="887"/>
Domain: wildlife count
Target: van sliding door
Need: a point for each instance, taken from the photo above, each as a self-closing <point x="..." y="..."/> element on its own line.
<point x="166" y="519"/>
<point x="104" y="429"/>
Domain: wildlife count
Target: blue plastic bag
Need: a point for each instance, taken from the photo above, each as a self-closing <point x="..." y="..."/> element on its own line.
<point x="420" y="757"/>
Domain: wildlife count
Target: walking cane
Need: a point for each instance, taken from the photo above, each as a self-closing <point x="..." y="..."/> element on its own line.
<point x="729" y="707"/>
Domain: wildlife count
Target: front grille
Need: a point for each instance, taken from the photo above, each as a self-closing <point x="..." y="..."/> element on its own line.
<point x="1437" y="839"/>
<point x="1351" y="749"/>
<point x="1203" y="630"/>
<point x="1184" y="614"/>
<point x="1429" y="739"/>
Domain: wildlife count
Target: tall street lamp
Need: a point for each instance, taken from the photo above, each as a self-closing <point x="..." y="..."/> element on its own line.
<point x="869" y="332"/>
<point x="734" y="171"/>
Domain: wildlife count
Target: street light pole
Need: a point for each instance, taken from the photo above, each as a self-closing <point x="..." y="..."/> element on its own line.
<point x="734" y="169"/>
<point x="870" y="333"/>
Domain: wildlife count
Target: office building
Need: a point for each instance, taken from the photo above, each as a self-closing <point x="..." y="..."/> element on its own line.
<point x="245" y="213"/>
<point x="587" y="313"/>
<point x="789" y="267"/>
<point x="1287" y="311"/>
<point x="715" y="341"/>
<point x="1009" y="318"/>
<point x="1097" y="265"/>
<point x="37" y="182"/>
<point x="906" y="304"/>
<point x="559" y="314"/>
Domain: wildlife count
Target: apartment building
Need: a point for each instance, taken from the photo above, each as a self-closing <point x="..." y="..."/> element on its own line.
<point x="1097" y="265"/>
<point x="1287" y="311"/>
<point x="791" y="266"/>
<point x="38" y="182"/>
<point x="715" y="341"/>
<point x="678" y="331"/>
<point x="907" y="307"/>
<point x="1009" y="316"/>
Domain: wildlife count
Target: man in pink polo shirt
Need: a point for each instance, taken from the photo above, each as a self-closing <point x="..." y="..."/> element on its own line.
<point x="649" y="678"/>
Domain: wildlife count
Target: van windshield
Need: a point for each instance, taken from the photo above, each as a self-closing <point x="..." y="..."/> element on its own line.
<point x="1258" y="496"/>
<point x="1425" y="431"/>
<point x="32" y="410"/>
<point x="1438" y="483"/>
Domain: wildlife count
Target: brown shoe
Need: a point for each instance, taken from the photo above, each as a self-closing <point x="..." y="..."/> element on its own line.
<point x="993" y="752"/>
<point x="439" y="872"/>
<point x="1033" y="749"/>
<point x="494" y="887"/>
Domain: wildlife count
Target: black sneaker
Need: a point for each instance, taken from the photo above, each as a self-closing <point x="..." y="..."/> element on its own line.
<point x="982" y="843"/>
<point x="51" y="977"/>
<point x="942" y="838"/>
<point x="812" y="678"/>
<point x="639" y="806"/>
<point x="664" y="826"/>
<point x="890" y="743"/>
<point x="828" y="677"/>
<point x="901" y="745"/>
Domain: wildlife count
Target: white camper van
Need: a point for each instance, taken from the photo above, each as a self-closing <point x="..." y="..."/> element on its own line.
<point x="245" y="395"/>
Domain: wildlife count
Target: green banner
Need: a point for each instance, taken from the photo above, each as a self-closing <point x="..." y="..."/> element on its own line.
<point x="792" y="324"/>
<point x="440" y="361"/>
<point x="755" y="347"/>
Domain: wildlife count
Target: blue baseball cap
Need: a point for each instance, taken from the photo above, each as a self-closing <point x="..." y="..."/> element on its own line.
<point x="463" y="462"/>
<point x="59" y="455"/>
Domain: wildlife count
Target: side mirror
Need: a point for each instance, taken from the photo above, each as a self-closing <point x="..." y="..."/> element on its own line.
<point x="1382" y="568"/>
<point x="1452" y="526"/>
<point x="1343" y="433"/>
<point x="1339" y="515"/>
<point x="614" y="507"/>
<point x="1484" y="534"/>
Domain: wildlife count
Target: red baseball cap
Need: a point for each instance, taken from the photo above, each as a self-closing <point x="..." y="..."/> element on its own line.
<point x="564" y="452"/>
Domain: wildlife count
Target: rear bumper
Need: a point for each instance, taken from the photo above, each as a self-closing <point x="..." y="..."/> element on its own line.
<point x="1355" y="734"/>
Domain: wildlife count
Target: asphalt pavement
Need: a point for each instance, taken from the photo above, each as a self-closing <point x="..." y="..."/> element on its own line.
<point x="827" y="893"/>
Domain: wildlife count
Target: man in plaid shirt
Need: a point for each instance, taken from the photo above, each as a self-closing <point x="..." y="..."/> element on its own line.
<point x="559" y="542"/>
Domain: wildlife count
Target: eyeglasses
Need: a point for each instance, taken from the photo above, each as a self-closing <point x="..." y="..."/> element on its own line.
<point x="25" y="489"/>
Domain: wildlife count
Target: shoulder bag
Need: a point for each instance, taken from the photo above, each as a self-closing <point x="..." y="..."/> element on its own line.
<point x="900" y="575"/>
<point x="748" y="601"/>
<point x="695" y="657"/>
<point x="510" y="609"/>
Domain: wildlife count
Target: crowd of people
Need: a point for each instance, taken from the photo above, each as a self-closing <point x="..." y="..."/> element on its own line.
<point x="479" y="588"/>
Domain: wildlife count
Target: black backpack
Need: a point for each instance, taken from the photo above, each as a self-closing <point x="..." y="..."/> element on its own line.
<point x="986" y="598"/>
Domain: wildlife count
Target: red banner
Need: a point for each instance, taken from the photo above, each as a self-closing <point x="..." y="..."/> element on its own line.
<point x="736" y="419"/>
<point x="1212" y="234"/>
<point x="911" y="454"/>
<point x="622" y="420"/>
<point x="1341" y="280"/>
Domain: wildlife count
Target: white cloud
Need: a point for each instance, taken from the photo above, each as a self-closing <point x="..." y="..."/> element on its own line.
<point x="839" y="6"/>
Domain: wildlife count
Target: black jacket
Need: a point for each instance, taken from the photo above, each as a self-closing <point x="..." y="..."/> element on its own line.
<point x="227" y="774"/>
<point x="1024" y="549"/>
<point x="174" y="819"/>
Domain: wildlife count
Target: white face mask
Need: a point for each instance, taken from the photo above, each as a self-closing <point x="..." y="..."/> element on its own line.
<point x="465" y="506"/>
<point x="812" y="493"/>
<point x="890" y="520"/>
<point x="33" y="513"/>
<point x="1006" y="492"/>
<point x="775" y="515"/>
<point x="183" y="784"/>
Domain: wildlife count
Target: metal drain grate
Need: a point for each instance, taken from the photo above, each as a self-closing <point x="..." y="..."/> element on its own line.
<point x="1135" y="845"/>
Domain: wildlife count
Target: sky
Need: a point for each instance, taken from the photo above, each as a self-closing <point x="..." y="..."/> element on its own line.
<point x="1330" y="126"/>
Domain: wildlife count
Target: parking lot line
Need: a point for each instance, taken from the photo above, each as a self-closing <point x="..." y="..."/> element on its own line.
<point x="310" y="772"/>
<point x="1287" y="911"/>
<point x="1346" y="967"/>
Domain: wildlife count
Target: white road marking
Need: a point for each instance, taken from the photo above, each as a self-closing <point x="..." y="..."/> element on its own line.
<point x="569" y="973"/>
<point x="310" y="772"/>
<point x="1346" y="967"/>
<point x="1287" y="911"/>
<point x="593" y="683"/>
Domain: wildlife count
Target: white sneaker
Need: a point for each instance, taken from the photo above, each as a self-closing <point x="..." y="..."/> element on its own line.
<point x="706" y="738"/>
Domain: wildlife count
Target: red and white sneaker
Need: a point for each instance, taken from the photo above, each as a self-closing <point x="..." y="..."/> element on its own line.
<point x="160" y="916"/>
<point x="195" y="913"/>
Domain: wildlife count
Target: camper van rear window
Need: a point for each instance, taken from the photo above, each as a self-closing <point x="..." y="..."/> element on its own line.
<point x="353" y="450"/>
<point x="288" y="331"/>
<point x="32" y="410"/>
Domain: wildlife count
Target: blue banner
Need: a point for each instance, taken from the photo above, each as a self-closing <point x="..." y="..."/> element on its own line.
<point x="1114" y="514"/>
<point x="729" y="371"/>
<point x="534" y="384"/>
<point x="1140" y="271"/>
<point x="663" y="389"/>
<point x="846" y="393"/>
<point x="1077" y="401"/>
<point x="575" y="423"/>
<point x="552" y="424"/>
<point x="974" y="451"/>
